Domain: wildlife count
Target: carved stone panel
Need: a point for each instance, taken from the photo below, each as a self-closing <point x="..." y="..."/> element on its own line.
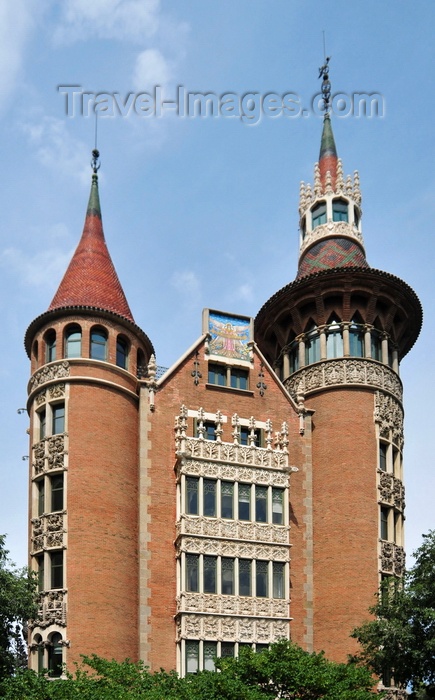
<point x="255" y="532"/>
<point x="59" y="370"/>
<point x="52" y="609"/>
<point x="234" y="629"/>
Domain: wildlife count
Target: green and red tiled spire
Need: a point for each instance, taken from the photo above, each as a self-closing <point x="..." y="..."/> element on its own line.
<point x="91" y="279"/>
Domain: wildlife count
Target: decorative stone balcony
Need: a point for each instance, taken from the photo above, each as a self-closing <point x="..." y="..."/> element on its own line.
<point x="232" y="628"/>
<point x="48" y="531"/>
<point x="200" y="526"/>
<point x="232" y="605"/>
<point x="49" y="454"/>
<point x="392" y="559"/>
<point x="391" y="490"/>
<point x="49" y="373"/>
<point x="52" y="609"/>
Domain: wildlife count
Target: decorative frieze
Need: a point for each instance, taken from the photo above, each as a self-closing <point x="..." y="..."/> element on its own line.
<point x="49" y="454"/>
<point x="244" y="550"/>
<point x="389" y="415"/>
<point x="48" y="531"/>
<point x="232" y="605"/>
<point x="230" y="472"/>
<point x="59" y="370"/>
<point x="336" y="228"/>
<point x="234" y="629"/>
<point x="391" y="490"/>
<point x="339" y="372"/>
<point x="232" y="529"/>
<point x="392" y="559"/>
<point x="52" y="609"/>
<point x="241" y="454"/>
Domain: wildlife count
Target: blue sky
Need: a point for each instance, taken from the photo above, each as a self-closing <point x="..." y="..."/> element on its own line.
<point x="202" y="211"/>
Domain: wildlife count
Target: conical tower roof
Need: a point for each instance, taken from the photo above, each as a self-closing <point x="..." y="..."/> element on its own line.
<point x="91" y="279"/>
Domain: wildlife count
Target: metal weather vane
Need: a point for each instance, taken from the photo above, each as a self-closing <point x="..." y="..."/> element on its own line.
<point x="326" y="84"/>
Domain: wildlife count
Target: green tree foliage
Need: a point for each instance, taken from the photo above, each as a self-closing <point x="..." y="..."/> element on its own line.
<point x="284" y="671"/>
<point x="401" y="639"/>
<point x="17" y="605"/>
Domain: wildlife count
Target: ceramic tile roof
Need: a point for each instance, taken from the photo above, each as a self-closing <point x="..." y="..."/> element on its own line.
<point x="91" y="279"/>
<point x="331" y="253"/>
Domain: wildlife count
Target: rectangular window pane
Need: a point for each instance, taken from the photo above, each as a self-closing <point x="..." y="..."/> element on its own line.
<point x="192" y="569"/>
<point x="227" y="649"/>
<point x="278" y="579"/>
<point x="209" y="498"/>
<point x="58" y="419"/>
<point x="227" y="576"/>
<point x="41" y="584"/>
<point x="261" y="579"/>
<point x="278" y="506"/>
<point x="244" y="435"/>
<point x="192" y="486"/>
<point x="217" y="374"/>
<point x="192" y="657"/>
<point x="41" y="497"/>
<point x="383" y="457"/>
<point x="244" y="502"/>
<point x="227" y="499"/>
<point x="210" y="431"/>
<point x="384" y="523"/>
<point x="239" y="378"/>
<point x="42" y="424"/>
<point x="244" y="577"/>
<point x="57" y="492"/>
<point x="210" y="574"/>
<point x="57" y="570"/>
<point x="210" y="653"/>
<point x="261" y="504"/>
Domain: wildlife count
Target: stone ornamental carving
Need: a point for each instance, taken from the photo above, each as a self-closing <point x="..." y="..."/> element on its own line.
<point x="227" y="452"/>
<point x="392" y="559"/>
<point x="49" y="373"/>
<point x="40" y="398"/>
<point x="396" y="694"/>
<point x="49" y="454"/>
<point x="52" y="609"/>
<point x="341" y="372"/>
<point x="48" y="531"/>
<point x="39" y="457"/>
<point x="57" y="391"/>
<point x="255" y="532"/>
<point x="228" y="472"/>
<point x="391" y="490"/>
<point x="232" y="605"/>
<point x="231" y="629"/>
<point x="333" y="229"/>
<point x="389" y="414"/>
<point x="197" y="545"/>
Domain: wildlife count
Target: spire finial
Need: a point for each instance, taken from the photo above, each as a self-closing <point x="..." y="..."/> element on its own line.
<point x="95" y="162"/>
<point x="326" y="85"/>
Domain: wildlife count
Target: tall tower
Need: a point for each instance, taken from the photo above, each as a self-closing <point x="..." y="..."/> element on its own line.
<point x="83" y="401"/>
<point x="336" y="336"/>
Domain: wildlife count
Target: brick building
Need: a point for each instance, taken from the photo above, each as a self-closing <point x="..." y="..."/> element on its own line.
<point x="252" y="491"/>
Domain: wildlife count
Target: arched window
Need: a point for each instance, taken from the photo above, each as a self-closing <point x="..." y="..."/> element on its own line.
<point x="55" y="655"/>
<point x="312" y="345"/>
<point x="38" y="643"/>
<point x="356" y="338"/>
<point x="340" y="210"/>
<point x="121" y="352"/>
<point x="318" y="214"/>
<point x="334" y="340"/>
<point x="98" y="344"/>
<point x="50" y="346"/>
<point x="73" y="342"/>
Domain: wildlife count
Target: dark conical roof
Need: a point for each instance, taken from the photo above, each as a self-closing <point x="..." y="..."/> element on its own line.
<point x="91" y="279"/>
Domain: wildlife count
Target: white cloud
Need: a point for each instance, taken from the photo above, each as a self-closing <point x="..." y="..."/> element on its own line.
<point x="186" y="283"/>
<point x="45" y="268"/>
<point x="16" y="22"/>
<point x="132" y="20"/>
<point x="57" y="149"/>
<point x="151" y="69"/>
<point x="245" y="292"/>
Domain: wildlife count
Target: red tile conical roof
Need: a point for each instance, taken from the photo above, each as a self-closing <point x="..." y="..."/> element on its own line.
<point x="91" y="279"/>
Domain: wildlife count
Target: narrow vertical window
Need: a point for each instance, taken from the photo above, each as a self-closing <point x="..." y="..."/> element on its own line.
<point x="261" y="579"/>
<point x="312" y="346"/>
<point x="192" y="657"/>
<point x="99" y="345"/>
<point x="121" y="352"/>
<point x="41" y="573"/>
<point x="210" y="574"/>
<point x="277" y="506"/>
<point x="340" y="210"/>
<point x="210" y="654"/>
<point x="50" y="346"/>
<point x="41" y="497"/>
<point x="384" y="523"/>
<point x="209" y="506"/>
<point x="57" y="492"/>
<point x="217" y="374"/>
<point x="56" y="570"/>
<point x="192" y="486"/>
<point x="244" y="577"/>
<point x="318" y="214"/>
<point x="192" y="572"/>
<point x="239" y="378"/>
<point x="278" y="579"/>
<point x="227" y="576"/>
<point x="334" y="340"/>
<point x="227" y="499"/>
<point x="40" y="652"/>
<point x="73" y="342"/>
<point x="227" y="649"/>
<point x="55" y="655"/>
<point x="261" y="504"/>
<point x="383" y="456"/>
<point x="58" y="424"/>
<point x="42" y="424"/>
<point x="244" y="502"/>
<point x="376" y="345"/>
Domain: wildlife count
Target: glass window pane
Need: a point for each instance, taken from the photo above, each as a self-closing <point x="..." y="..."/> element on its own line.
<point x="244" y="577"/>
<point x="209" y="498"/>
<point x="192" y="486"/>
<point x="227" y="576"/>
<point x="227" y="649"/>
<point x="356" y="341"/>
<point x="278" y="579"/>
<point x="73" y="343"/>
<point x="384" y="523"/>
<point x="278" y="506"/>
<point x="50" y="345"/>
<point x="261" y="504"/>
<point x="312" y="347"/>
<point x="58" y="419"/>
<point x="42" y="424"/>
<point x="227" y="499"/>
<point x="41" y="497"/>
<point x="210" y="654"/>
<point x="210" y="574"/>
<point x="244" y="502"/>
<point x="41" y="581"/>
<point x="318" y="215"/>
<point x="192" y="657"/>
<point x="217" y="374"/>
<point x="98" y="345"/>
<point x="121" y="353"/>
<point x="239" y="378"/>
<point x="210" y="431"/>
<point x="334" y="341"/>
<point x="55" y="656"/>
<point x="261" y="579"/>
<point x="376" y="346"/>
<point x="57" y="570"/>
<point x="57" y="492"/>
<point x="192" y="568"/>
<point x="383" y="456"/>
<point x="340" y="210"/>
